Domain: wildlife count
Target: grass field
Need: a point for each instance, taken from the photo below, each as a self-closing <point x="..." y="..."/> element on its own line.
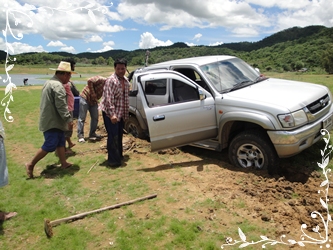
<point x="178" y="218"/>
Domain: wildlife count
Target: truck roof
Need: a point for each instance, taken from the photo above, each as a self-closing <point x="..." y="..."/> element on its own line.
<point x="201" y="60"/>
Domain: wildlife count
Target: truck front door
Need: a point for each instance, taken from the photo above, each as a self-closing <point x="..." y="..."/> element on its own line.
<point x="188" y="117"/>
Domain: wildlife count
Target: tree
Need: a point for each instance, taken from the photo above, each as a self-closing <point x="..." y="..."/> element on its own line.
<point x="110" y="61"/>
<point x="100" y="60"/>
<point x="327" y="60"/>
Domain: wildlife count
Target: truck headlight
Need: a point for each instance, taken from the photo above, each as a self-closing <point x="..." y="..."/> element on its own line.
<point x="294" y="119"/>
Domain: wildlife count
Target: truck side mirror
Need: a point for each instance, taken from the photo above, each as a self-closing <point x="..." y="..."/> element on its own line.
<point x="202" y="95"/>
<point x="133" y="93"/>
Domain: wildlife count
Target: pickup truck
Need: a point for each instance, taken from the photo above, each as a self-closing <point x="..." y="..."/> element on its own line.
<point x="219" y="102"/>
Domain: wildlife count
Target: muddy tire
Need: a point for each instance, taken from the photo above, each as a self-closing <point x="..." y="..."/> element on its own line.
<point x="132" y="127"/>
<point x="253" y="149"/>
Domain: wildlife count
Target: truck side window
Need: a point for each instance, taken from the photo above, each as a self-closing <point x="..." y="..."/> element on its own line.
<point x="155" y="87"/>
<point x="193" y="75"/>
<point x="183" y="92"/>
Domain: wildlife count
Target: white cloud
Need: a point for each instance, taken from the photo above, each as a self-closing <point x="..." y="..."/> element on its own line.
<point x="215" y="44"/>
<point x="109" y="43"/>
<point x="243" y="18"/>
<point x="316" y="12"/>
<point x="147" y="41"/>
<point x="55" y="44"/>
<point x="63" y="21"/>
<point x="93" y="39"/>
<point x="281" y="4"/>
<point x="106" y="48"/>
<point x="69" y="49"/>
<point x="245" y="32"/>
<point x="197" y="37"/>
<point x="20" y="48"/>
<point x="191" y="44"/>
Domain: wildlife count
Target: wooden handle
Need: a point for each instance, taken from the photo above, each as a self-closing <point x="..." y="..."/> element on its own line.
<point x="81" y="215"/>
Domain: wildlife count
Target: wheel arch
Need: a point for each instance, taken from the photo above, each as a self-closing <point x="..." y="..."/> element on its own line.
<point x="231" y="128"/>
<point x="233" y="122"/>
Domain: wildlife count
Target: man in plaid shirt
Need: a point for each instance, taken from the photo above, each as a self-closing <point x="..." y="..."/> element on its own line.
<point x="89" y="101"/>
<point x="115" y="109"/>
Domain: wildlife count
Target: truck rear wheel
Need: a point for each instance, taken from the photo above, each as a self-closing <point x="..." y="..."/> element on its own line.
<point x="132" y="127"/>
<point x="253" y="149"/>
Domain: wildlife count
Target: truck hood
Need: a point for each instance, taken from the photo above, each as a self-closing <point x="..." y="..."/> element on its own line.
<point x="292" y="95"/>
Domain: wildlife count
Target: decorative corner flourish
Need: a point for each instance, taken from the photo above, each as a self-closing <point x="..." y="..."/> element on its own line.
<point x="14" y="13"/>
<point x="321" y="233"/>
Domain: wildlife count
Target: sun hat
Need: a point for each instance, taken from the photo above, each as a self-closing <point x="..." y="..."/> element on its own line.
<point x="64" y="67"/>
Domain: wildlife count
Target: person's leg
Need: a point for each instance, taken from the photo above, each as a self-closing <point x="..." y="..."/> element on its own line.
<point x="112" y="141"/>
<point x="6" y="216"/>
<point x="4" y="177"/>
<point x="3" y="164"/>
<point x="120" y="138"/>
<point x="69" y="134"/>
<point x="60" y="150"/>
<point x="41" y="153"/>
<point x="62" y="157"/>
<point x="83" y="107"/>
<point x="93" y="110"/>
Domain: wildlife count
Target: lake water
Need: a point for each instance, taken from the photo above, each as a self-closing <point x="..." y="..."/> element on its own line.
<point x="17" y="79"/>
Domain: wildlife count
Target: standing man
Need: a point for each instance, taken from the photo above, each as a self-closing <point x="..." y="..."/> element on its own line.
<point x="89" y="101"/>
<point x="54" y="117"/>
<point x="115" y="106"/>
<point x="4" y="172"/>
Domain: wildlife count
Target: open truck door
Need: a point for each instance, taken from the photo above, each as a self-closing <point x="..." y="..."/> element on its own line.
<point x="187" y="117"/>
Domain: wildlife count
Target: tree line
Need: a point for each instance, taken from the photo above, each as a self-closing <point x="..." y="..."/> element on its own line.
<point x="288" y="50"/>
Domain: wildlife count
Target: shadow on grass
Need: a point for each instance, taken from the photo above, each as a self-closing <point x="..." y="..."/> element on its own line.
<point x="298" y="168"/>
<point x="123" y="163"/>
<point x="54" y="171"/>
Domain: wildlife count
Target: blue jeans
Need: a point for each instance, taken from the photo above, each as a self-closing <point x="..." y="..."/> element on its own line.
<point x="115" y="140"/>
<point x="93" y="111"/>
<point x="3" y="164"/>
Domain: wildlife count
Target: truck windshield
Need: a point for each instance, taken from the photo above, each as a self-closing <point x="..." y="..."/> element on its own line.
<point x="226" y="75"/>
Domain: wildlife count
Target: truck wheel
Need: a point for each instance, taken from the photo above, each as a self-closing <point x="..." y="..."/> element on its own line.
<point x="132" y="127"/>
<point x="253" y="149"/>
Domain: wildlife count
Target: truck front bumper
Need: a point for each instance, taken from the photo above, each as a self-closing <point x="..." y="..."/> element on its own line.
<point x="289" y="143"/>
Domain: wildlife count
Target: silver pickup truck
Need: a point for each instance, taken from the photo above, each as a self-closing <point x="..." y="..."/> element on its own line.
<point x="218" y="102"/>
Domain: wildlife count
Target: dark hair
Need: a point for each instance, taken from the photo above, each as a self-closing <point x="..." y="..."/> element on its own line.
<point x="120" y="61"/>
<point x="72" y="62"/>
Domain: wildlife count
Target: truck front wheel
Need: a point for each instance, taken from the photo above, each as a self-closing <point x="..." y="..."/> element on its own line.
<point x="132" y="127"/>
<point x="253" y="149"/>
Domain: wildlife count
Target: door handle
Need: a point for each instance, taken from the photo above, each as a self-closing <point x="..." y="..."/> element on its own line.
<point x="158" y="117"/>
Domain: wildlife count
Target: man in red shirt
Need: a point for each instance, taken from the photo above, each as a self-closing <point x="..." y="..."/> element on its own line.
<point x="115" y="110"/>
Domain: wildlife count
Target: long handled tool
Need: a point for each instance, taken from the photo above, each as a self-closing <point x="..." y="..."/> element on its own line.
<point x="49" y="224"/>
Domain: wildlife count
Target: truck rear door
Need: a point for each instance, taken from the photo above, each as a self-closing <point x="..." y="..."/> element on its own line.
<point x="188" y="117"/>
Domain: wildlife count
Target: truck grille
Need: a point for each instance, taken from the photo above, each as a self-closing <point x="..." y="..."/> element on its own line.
<point x="319" y="104"/>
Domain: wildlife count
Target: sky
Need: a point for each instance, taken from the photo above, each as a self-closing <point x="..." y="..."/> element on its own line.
<point x="77" y="26"/>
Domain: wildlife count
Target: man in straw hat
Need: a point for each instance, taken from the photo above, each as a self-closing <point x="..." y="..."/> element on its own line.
<point x="54" y="117"/>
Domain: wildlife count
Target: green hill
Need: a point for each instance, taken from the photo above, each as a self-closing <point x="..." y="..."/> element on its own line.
<point x="290" y="49"/>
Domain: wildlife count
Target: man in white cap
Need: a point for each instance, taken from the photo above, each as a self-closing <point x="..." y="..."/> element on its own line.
<point x="54" y="117"/>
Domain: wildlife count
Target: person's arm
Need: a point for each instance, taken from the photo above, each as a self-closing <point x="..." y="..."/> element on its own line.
<point x="93" y="97"/>
<point x="61" y="102"/>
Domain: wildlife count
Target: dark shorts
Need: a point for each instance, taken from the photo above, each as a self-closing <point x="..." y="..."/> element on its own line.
<point x="53" y="138"/>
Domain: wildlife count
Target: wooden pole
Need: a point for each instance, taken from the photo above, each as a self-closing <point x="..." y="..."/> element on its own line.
<point x="49" y="224"/>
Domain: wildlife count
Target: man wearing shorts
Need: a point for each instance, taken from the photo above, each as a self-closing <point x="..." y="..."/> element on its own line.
<point x="54" y="117"/>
